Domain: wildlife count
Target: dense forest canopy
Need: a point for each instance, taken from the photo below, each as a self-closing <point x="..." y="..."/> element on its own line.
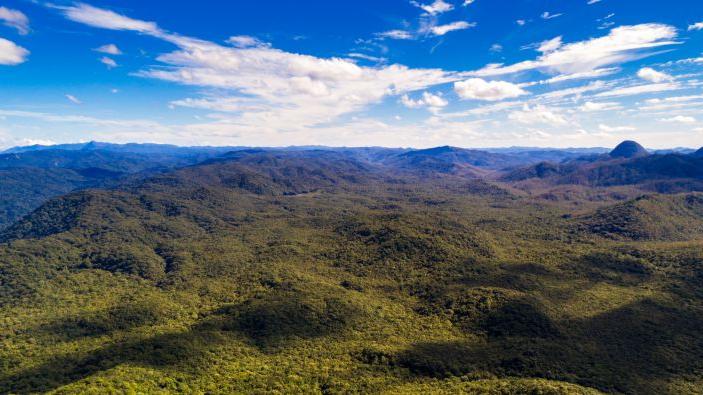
<point x="352" y="270"/>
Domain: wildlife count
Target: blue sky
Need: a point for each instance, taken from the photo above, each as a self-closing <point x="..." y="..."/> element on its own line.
<point x="481" y="73"/>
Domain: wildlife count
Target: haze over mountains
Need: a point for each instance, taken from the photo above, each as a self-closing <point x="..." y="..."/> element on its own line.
<point x="33" y="174"/>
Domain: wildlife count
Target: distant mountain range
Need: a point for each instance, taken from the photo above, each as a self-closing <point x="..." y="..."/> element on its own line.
<point x="33" y="174"/>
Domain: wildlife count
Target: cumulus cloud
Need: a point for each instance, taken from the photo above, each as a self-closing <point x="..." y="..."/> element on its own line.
<point x="11" y="54"/>
<point x="679" y="119"/>
<point x="110" y="49"/>
<point x="696" y="26"/>
<point x="538" y="114"/>
<point x="281" y="91"/>
<point x="14" y="19"/>
<point x="438" y="7"/>
<point x="651" y="75"/>
<point x="479" y="89"/>
<point x="428" y="100"/>
<point x="444" y="29"/>
<point x="622" y="44"/>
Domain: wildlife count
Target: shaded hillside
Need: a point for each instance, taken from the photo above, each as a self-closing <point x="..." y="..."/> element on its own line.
<point x="27" y="179"/>
<point x="626" y="165"/>
<point x="310" y="272"/>
<point x="449" y="160"/>
<point x="650" y="217"/>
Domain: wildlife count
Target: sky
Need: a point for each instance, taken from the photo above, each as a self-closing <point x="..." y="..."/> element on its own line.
<point x="397" y="73"/>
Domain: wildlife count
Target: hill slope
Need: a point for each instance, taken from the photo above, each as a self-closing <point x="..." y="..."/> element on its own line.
<point x="316" y="273"/>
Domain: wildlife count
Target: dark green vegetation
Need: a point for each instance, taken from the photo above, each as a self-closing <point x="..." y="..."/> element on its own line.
<point x="30" y="176"/>
<point x="337" y="272"/>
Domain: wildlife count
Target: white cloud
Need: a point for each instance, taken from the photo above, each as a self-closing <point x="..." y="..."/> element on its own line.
<point x="611" y="129"/>
<point x="428" y="99"/>
<point x="696" y="26"/>
<point x="651" y="75"/>
<point x="538" y="114"/>
<point x="11" y="54"/>
<point x="640" y="89"/>
<point x="591" y="2"/>
<point x="575" y="76"/>
<point x="246" y="42"/>
<point x="370" y="58"/>
<point x="576" y="91"/>
<point x="110" y="63"/>
<point x="396" y="35"/>
<point x="438" y="7"/>
<point x="106" y="19"/>
<point x="110" y="49"/>
<point x="679" y="119"/>
<point x="674" y="99"/>
<point x="468" y="2"/>
<point x="79" y="119"/>
<point x="548" y="15"/>
<point x="73" y="99"/>
<point x="550" y="45"/>
<point x="282" y="91"/>
<point x="14" y="19"/>
<point x="444" y="29"/>
<point x="479" y="89"/>
<point x="590" y="106"/>
<point x="496" y="48"/>
<point x="521" y="22"/>
<point x="622" y="44"/>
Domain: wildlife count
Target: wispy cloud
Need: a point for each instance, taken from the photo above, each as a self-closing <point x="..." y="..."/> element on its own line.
<point x="548" y="15"/>
<point x="538" y="114"/>
<point x="679" y="119"/>
<point x="612" y="129"/>
<point x="110" y="63"/>
<point x="15" y="19"/>
<point x="640" y="89"/>
<point x="623" y="44"/>
<point x="450" y="27"/>
<point x="396" y="34"/>
<point x="73" y="99"/>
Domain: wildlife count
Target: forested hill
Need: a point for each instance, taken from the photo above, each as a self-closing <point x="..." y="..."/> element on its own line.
<point x="319" y="271"/>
